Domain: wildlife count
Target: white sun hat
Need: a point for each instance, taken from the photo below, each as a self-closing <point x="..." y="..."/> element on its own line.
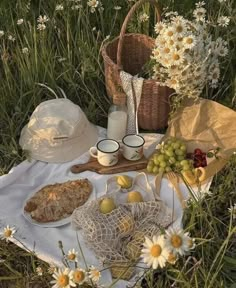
<point x="58" y="131"/>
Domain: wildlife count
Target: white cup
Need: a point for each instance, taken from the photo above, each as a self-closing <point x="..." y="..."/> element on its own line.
<point x="106" y="152"/>
<point x="132" y="148"/>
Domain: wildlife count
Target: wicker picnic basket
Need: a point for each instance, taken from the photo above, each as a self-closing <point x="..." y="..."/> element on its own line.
<point x="129" y="52"/>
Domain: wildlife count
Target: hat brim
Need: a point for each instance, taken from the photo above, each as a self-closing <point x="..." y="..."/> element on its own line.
<point x="66" y="151"/>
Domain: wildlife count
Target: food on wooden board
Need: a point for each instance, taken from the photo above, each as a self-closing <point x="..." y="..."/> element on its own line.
<point x="58" y="201"/>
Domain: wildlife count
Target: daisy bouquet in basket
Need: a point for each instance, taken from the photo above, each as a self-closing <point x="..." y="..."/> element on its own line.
<point x="185" y="56"/>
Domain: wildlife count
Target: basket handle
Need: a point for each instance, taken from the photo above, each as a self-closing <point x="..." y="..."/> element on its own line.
<point x="124" y="26"/>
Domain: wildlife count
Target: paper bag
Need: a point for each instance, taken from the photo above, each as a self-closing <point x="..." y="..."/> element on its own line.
<point x="206" y="124"/>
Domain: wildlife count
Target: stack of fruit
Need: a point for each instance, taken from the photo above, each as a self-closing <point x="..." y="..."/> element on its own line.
<point x="198" y="157"/>
<point x="170" y="156"/>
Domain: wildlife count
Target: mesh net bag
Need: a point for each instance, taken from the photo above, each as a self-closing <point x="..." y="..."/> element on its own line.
<point x="117" y="237"/>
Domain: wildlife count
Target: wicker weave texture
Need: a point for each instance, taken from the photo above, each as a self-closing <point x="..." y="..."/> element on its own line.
<point x="130" y="52"/>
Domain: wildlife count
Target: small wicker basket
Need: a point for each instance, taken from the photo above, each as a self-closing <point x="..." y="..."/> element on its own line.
<point x="129" y="52"/>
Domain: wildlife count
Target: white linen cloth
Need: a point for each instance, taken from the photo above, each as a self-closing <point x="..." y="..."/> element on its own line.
<point x="24" y="179"/>
<point x="132" y="86"/>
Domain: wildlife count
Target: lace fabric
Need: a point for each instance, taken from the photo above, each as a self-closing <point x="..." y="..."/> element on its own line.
<point x="132" y="86"/>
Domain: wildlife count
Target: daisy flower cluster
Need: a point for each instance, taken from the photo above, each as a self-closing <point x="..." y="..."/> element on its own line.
<point x="66" y="278"/>
<point x="42" y="20"/>
<point x="94" y="4"/>
<point x="163" y="249"/>
<point x="185" y="56"/>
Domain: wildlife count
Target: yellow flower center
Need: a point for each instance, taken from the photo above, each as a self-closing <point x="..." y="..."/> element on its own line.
<point x="172" y="258"/>
<point x="71" y="256"/>
<point x="96" y="273"/>
<point x="189" y="40"/>
<point x="176" y="241"/>
<point x="171" y="42"/>
<point x="179" y="28"/>
<point x="176" y="57"/>
<point x="173" y="82"/>
<point x="78" y="276"/>
<point x="167" y="50"/>
<point x="170" y="33"/>
<point x="63" y="280"/>
<point x="8" y="233"/>
<point x="156" y="250"/>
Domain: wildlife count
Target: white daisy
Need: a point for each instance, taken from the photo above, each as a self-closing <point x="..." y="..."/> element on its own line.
<point x="1" y="33"/>
<point x="189" y="41"/>
<point x="42" y="19"/>
<point x="171" y="14"/>
<point x="232" y="211"/>
<point x="169" y="32"/>
<point x="8" y="233"/>
<point x="63" y="279"/>
<point x="155" y="252"/>
<point x="172" y="83"/>
<point x="11" y="38"/>
<point x="223" y="21"/>
<point x="25" y="50"/>
<point x="79" y="276"/>
<point x="222" y="51"/>
<point x="176" y="57"/>
<point x="20" y="21"/>
<point x="199" y="14"/>
<point x="52" y="268"/>
<point x="200" y="4"/>
<point x="117" y="8"/>
<point x="41" y="27"/>
<point x="214" y="75"/>
<point x="94" y="274"/>
<point x="93" y="3"/>
<point x="59" y="7"/>
<point x="179" y="27"/>
<point x="178" y="242"/>
<point x="143" y="17"/>
<point x="72" y="255"/>
<point x="159" y="26"/>
<point x="172" y="258"/>
<point x="39" y="271"/>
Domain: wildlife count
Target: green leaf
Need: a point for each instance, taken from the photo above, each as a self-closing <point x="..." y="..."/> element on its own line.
<point x="210" y="155"/>
<point x="230" y="260"/>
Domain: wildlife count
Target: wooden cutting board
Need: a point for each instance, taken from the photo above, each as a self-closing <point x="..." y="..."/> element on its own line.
<point x="123" y="165"/>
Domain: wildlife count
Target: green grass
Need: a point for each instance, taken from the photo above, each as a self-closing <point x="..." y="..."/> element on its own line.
<point x="67" y="56"/>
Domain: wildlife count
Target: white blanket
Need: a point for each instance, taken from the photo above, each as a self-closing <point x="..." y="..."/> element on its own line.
<point x="24" y="179"/>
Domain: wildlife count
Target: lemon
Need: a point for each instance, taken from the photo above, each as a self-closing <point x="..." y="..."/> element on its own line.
<point x="124" y="181"/>
<point x="107" y="205"/>
<point x="200" y="173"/>
<point x="189" y="177"/>
<point x="126" y="224"/>
<point x="134" y="196"/>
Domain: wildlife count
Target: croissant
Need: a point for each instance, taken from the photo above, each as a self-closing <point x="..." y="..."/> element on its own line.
<point x="58" y="201"/>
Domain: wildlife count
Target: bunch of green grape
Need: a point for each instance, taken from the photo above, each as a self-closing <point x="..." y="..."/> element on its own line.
<point x="171" y="155"/>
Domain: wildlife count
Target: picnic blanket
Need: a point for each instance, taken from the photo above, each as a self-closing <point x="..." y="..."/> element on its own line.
<point x="25" y="178"/>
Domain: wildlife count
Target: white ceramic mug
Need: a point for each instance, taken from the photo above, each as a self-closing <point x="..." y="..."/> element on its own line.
<point x="106" y="152"/>
<point x="132" y="147"/>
